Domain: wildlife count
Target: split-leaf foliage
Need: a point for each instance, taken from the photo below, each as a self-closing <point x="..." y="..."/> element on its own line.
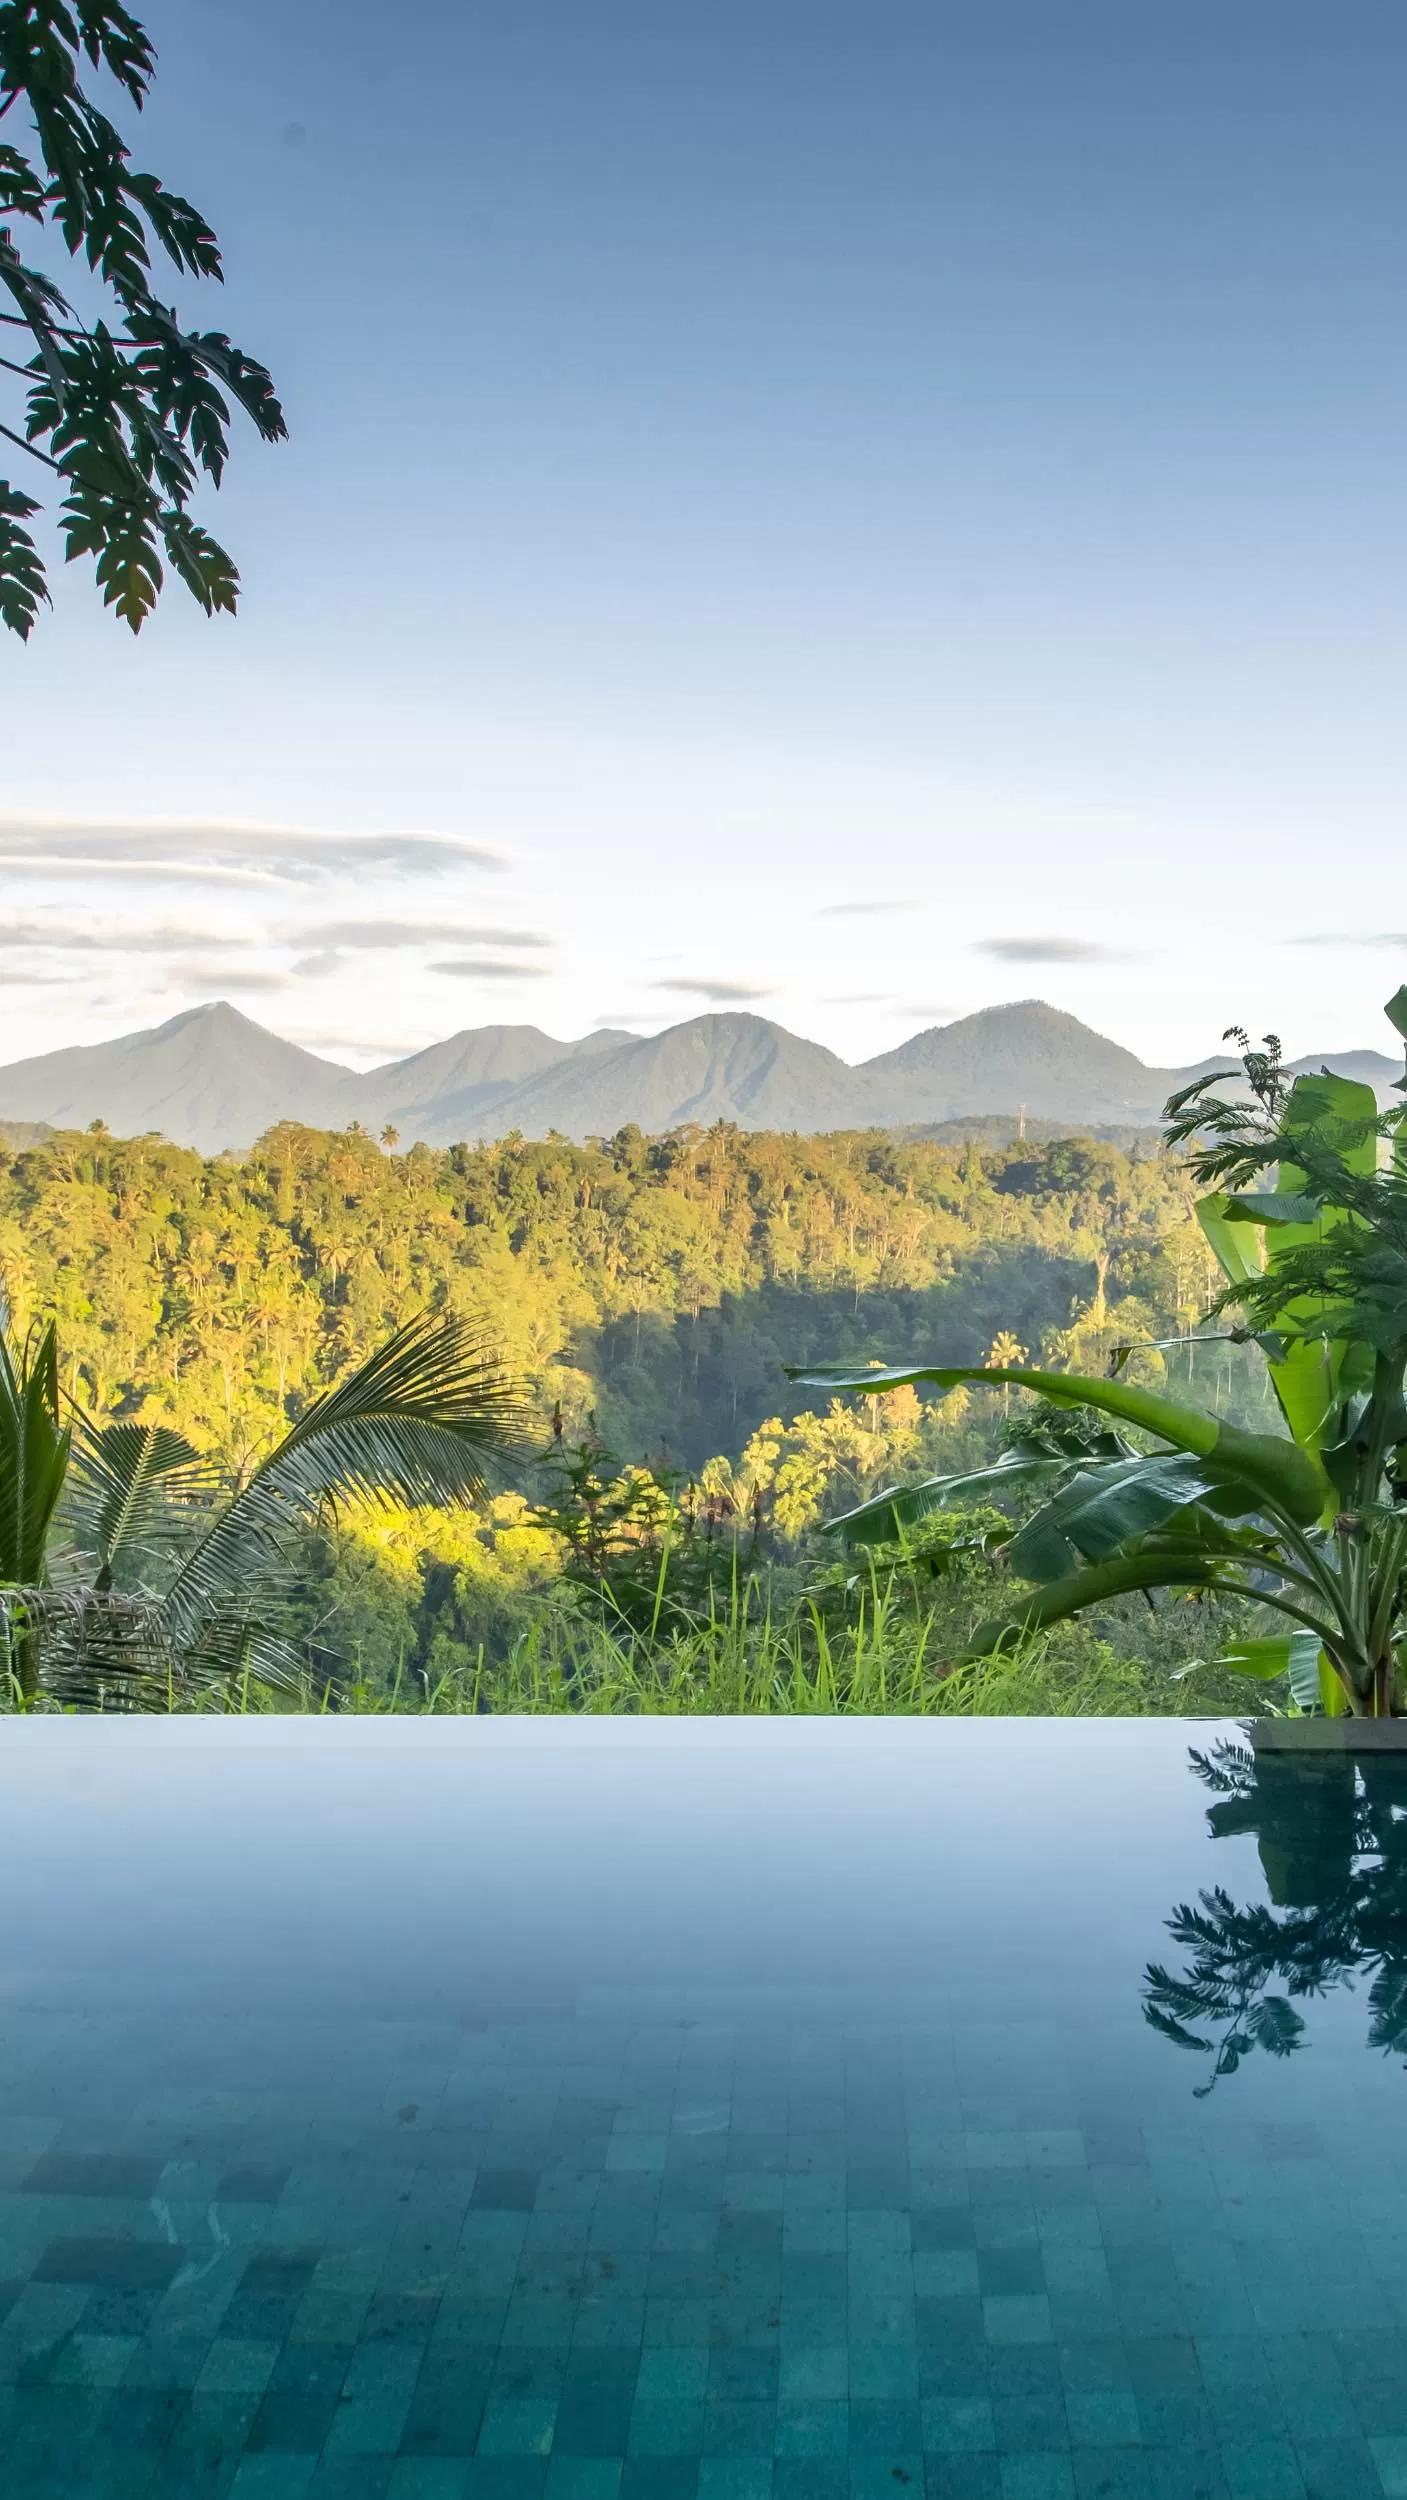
<point x="119" y="399"/>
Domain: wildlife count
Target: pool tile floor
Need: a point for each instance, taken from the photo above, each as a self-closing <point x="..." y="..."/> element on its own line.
<point x="738" y="2253"/>
<point x="564" y="2229"/>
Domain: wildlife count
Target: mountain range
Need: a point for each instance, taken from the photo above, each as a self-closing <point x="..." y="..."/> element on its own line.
<point x="213" y="1079"/>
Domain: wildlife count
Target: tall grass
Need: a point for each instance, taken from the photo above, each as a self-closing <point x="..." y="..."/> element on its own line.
<point x="746" y="1658"/>
<point x="866" y="1645"/>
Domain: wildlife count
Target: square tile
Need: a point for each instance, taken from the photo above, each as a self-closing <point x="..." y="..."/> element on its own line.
<point x="92" y="2174"/>
<point x="506" y="2191"/>
<point x="1017" y="2318"/>
<point x="131" y="2264"/>
<point x="1038" y="2475"/>
<point x="517" y="2426"/>
<point x="954" y="2425"/>
<point x="1103" y="2418"/>
<point x="818" y="2429"/>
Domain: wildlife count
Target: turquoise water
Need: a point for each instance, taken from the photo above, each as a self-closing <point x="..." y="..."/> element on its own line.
<point x="699" y="2112"/>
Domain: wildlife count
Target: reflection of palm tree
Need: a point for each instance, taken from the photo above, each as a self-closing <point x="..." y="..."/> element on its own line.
<point x="1332" y="1834"/>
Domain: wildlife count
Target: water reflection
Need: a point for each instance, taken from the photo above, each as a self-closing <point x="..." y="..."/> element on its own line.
<point x="1331" y="1832"/>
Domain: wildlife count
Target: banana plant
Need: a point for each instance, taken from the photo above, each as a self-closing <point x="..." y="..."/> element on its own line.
<point x="131" y="1568"/>
<point x="1307" y="1215"/>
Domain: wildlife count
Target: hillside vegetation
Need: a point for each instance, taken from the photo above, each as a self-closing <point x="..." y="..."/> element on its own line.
<point x="649" y="1291"/>
<point x="661" y="1282"/>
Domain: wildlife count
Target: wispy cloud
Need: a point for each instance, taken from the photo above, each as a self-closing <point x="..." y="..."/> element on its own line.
<point x="722" y="993"/>
<point x="329" y="943"/>
<point x="228" y="854"/>
<point x="1395" y="938"/>
<point x="1051" y="950"/>
<point x="53" y="933"/>
<point x="859" y="998"/>
<point x="213" y="979"/>
<point x="353" y="935"/>
<point x="864" y="908"/>
<point x="487" y="968"/>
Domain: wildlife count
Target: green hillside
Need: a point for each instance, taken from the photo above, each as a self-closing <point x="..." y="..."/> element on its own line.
<point x="662" y="1282"/>
<point x="650" y="1291"/>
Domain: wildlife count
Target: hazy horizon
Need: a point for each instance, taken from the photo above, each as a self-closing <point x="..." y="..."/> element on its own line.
<point x="366" y="1061"/>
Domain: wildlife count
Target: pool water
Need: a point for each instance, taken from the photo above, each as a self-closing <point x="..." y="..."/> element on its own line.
<point x="629" y="2111"/>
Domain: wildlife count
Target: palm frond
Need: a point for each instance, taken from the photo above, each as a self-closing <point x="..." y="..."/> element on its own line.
<point x="91" y="1650"/>
<point x="242" y="1646"/>
<point x="131" y="1489"/>
<point x="75" y="1650"/>
<point x="422" y="1421"/>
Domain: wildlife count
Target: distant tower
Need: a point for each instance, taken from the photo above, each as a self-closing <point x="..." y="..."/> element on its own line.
<point x="1021" y="1120"/>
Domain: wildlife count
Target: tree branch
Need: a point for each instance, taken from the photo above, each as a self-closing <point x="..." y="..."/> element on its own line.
<point x="17" y="321"/>
<point x="33" y="451"/>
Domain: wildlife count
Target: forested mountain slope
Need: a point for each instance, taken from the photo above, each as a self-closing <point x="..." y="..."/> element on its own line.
<point x="663" y="1282"/>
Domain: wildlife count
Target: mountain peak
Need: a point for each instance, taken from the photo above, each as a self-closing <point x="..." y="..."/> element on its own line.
<point x="211" y="1077"/>
<point x="213" y="1016"/>
<point x="208" y="1077"/>
<point x="1023" y="1053"/>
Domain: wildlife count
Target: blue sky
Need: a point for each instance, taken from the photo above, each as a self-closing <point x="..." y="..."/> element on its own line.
<point x="750" y="463"/>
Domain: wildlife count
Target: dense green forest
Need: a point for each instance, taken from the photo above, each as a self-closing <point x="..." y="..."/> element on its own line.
<point x="661" y="1282"/>
<point x="649" y="1290"/>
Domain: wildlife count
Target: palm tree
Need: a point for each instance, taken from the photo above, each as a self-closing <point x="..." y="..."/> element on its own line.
<point x="131" y="1568"/>
<point x="1004" y="1354"/>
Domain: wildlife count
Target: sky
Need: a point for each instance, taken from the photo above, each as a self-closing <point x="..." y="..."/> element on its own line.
<point x="851" y="513"/>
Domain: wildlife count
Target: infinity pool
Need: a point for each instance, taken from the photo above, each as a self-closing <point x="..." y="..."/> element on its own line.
<point x="700" y="2112"/>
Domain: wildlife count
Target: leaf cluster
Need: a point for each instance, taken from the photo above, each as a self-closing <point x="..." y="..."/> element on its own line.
<point x="1333" y="1842"/>
<point x="174" y="1577"/>
<point x="132" y="410"/>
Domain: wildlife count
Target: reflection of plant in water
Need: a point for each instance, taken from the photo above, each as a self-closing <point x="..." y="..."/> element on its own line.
<point x="1234" y="1955"/>
<point x="1331" y="1830"/>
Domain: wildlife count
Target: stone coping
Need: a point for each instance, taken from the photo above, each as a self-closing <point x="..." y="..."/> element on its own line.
<point x="1329" y="1735"/>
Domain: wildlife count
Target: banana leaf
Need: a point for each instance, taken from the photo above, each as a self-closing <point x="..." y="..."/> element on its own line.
<point x="1315" y="1370"/>
<point x="1313" y="1380"/>
<point x="1270" y="1206"/>
<point x="1396" y="1013"/>
<point x="1095" y="1585"/>
<point x="1235" y="1248"/>
<point x="1295" y="1655"/>
<point x="1104" y="1510"/>
<point x="1282" y="1474"/>
<point x="886" y="1515"/>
